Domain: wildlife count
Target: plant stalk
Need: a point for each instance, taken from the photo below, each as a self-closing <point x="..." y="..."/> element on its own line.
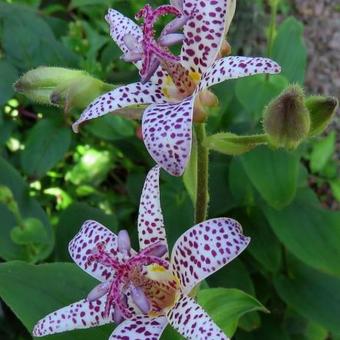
<point x="202" y="192"/>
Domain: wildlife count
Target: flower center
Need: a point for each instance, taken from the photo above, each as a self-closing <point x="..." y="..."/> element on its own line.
<point x="155" y="51"/>
<point x="143" y="280"/>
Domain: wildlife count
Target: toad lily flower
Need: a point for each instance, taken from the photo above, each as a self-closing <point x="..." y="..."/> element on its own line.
<point x="172" y="84"/>
<point x="145" y="291"/>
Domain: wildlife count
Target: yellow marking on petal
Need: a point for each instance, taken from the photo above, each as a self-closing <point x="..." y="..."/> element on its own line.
<point x="195" y="76"/>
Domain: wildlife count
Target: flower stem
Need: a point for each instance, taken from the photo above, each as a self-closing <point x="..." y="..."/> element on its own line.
<point x="202" y="192"/>
<point x="272" y="26"/>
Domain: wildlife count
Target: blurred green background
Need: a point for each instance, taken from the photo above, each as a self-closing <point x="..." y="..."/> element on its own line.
<point x="287" y="283"/>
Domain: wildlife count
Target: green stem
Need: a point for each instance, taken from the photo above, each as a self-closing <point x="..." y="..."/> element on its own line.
<point x="272" y="26"/>
<point x="202" y="192"/>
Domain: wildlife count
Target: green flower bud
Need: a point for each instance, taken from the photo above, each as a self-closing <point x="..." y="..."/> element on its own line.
<point x="78" y="93"/>
<point x="61" y="87"/>
<point x="322" y="110"/>
<point x="286" y="119"/>
<point x="38" y="84"/>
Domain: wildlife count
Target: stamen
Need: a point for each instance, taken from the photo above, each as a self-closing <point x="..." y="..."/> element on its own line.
<point x="124" y="243"/>
<point x="157" y="249"/>
<point x="174" y="25"/>
<point x="98" y="291"/>
<point x="101" y="256"/>
<point x="150" y="46"/>
<point x="118" y="316"/>
<point x="171" y="39"/>
<point x="140" y="299"/>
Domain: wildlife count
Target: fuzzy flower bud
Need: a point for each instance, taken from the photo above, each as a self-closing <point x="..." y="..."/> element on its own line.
<point x="322" y="110"/>
<point x="286" y="119"/>
<point x="203" y="103"/>
<point x="60" y="86"/>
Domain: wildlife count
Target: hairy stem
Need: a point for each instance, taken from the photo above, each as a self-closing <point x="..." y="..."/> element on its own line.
<point x="202" y="192"/>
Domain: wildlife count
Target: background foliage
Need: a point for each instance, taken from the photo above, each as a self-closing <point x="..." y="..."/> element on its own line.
<point x="285" y="286"/>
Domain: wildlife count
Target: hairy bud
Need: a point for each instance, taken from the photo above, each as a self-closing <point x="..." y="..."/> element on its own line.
<point x="286" y="119"/>
<point x="60" y="86"/>
<point x="322" y="110"/>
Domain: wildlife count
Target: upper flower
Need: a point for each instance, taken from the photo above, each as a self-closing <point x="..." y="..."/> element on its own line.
<point x="144" y="291"/>
<point x="172" y="84"/>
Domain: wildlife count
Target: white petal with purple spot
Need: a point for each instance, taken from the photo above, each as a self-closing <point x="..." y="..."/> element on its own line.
<point x="78" y="315"/>
<point x="205" y="248"/>
<point x="236" y="67"/>
<point x="192" y="322"/>
<point x="150" y="219"/>
<point x="204" y="32"/>
<point x="167" y="133"/>
<point x="84" y="243"/>
<point x="119" y="98"/>
<point x="140" y="328"/>
<point x="120" y="27"/>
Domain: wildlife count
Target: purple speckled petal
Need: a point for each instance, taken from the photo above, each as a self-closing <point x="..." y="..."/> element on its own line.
<point x="78" y="315"/>
<point x="167" y="133"/>
<point x="140" y="328"/>
<point x="121" y="26"/>
<point x="192" y="322"/>
<point x="204" y="32"/>
<point x="150" y="218"/>
<point x="121" y="97"/>
<point x="237" y="67"/>
<point x="205" y="248"/>
<point x="82" y="245"/>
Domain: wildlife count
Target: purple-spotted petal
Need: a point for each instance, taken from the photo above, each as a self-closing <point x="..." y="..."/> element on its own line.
<point x="192" y="322"/>
<point x="205" y="248"/>
<point x="121" y="97"/>
<point x="120" y="27"/>
<point x="150" y="219"/>
<point x="204" y="32"/>
<point x="78" y="315"/>
<point x="82" y="245"/>
<point x="167" y="133"/>
<point x="140" y="328"/>
<point x="237" y="67"/>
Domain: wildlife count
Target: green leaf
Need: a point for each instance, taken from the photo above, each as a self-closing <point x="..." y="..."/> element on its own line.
<point x="81" y="3"/>
<point x="322" y="152"/>
<point x="226" y="306"/>
<point x="34" y="43"/>
<point x="335" y="186"/>
<point x="28" y="208"/>
<point x="179" y="214"/>
<point x="92" y="168"/>
<point x="313" y="294"/>
<point x="219" y="202"/>
<point x="254" y="93"/>
<point x="46" y="145"/>
<point x="32" y="292"/>
<point x="273" y="173"/>
<point x="309" y="232"/>
<point x="256" y="226"/>
<point x="240" y="186"/>
<point x="111" y="128"/>
<point x="71" y="221"/>
<point x="292" y="60"/>
<point x="9" y="75"/>
<point x="31" y="232"/>
<point x="190" y="174"/>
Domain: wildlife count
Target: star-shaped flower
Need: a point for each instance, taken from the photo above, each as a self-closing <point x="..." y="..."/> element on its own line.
<point x="170" y="84"/>
<point x="145" y="291"/>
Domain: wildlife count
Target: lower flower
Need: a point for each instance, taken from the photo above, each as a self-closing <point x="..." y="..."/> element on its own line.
<point x="145" y="291"/>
